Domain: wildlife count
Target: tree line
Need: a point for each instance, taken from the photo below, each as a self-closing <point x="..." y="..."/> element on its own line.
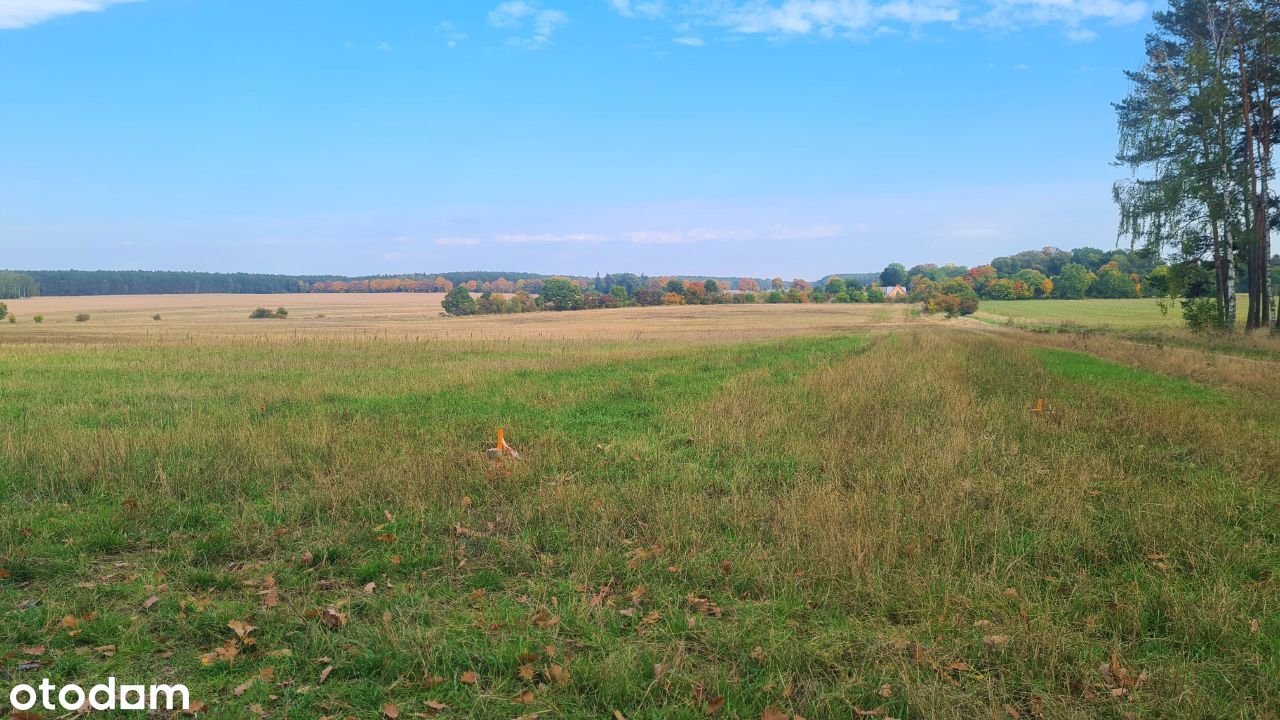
<point x="1197" y="131"/>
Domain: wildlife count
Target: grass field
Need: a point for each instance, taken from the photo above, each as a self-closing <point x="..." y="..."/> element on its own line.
<point x="834" y="511"/>
<point x="1141" y="313"/>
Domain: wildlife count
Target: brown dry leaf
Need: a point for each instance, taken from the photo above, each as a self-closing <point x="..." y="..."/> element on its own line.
<point x="4" y="574"/>
<point x="772" y="713"/>
<point x="390" y="711"/>
<point x="1012" y="712"/>
<point x="757" y="653"/>
<point x="558" y="675"/>
<point x="331" y="618"/>
<point x="432" y="680"/>
<point x="468" y="677"/>
<point x="198" y="706"/>
<point x="617" y="715"/>
<point x="526" y="672"/>
<point x="886" y="690"/>
<point x="324" y="674"/>
<point x="395" y="559"/>
<point x="106" y="650"/>
<point x="370" y="587"/>
<point x="38" y="650"/>
<point x="714" y="705"/>
<point x="545" y="619"/>
<point x="958" y="666"/>
<point x="242" y="630"/>
<point x="1011" y="593"/>
<point x="475" y="595"/>
<point x="1253" y="625"/>
<point x="387" y="538"/>
<point x="993" y="641"/>
<point x="242" y="689"/>
<point x="149" y="602"/>
<point x="726" y="567"/>
<point x="874" y="712"/>
<point x="525" y="697"/>
<point x="308" y="558"/>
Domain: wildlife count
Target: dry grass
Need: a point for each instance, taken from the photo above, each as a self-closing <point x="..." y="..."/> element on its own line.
<point x="791" y="521"/>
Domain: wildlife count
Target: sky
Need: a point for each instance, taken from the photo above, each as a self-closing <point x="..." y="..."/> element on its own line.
<point x="765" y="138"/>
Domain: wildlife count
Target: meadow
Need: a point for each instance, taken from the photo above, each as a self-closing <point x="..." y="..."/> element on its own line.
<point x="721" y="511"/>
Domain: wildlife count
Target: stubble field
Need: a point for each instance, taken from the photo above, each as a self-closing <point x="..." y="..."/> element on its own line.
<point x="727" y="511"/>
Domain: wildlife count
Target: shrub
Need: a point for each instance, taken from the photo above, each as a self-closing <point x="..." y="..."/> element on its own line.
<point x="4" y="310"/>
<point x="155" y="317"/>
<point x="282" y="313"/>
<point x="38" y="318"/>
<point x="1202" y="314"/>
<point x="82" y="317"/>
<point x="260" y="314"/>
<point x="13" y="319"/>
<point x="458" y="301"/>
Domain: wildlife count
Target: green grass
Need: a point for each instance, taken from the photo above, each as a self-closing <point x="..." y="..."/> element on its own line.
<point x="794" y="523"/>
<point x="1131" y="314"/>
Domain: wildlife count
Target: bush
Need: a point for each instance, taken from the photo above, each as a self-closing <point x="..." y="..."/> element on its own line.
<point x="13" y="319"/>
<point x="1202" y="314"/>
<point x="82" y="317"/>
<point x="458" y="301"/>
<point x="155" y="317"/>
<point x="282" y="313"/>
<point x="4" y="310"/>
<point x="38" y="318"/>
<point x="265" y="314"/>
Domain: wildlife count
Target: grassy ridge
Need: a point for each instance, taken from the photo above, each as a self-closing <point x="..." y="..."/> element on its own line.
<point x="823" y="525"/>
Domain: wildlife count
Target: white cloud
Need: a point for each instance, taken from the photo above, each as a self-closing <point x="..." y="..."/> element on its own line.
<point x="25" y="13"/>
<point x="651" y="9"/>
<point x="866" y="18"/>
<point x="676" y="237"/>
<point x="458" y="241"/>
<point x="689" y="40"/>
<point x="519" y="14"/>
<point x="386" y="47"/>
<point x="827" y="18"/>
<point x="1013" y="15"/>
<point x="550" y="238"/>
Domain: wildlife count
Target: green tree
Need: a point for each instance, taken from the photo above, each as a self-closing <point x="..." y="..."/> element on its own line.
<point x="561" y="294"/>
<point x="835" y="286"/>
<point x="893" y="274"/>
<point x="458" y="301"/>
<point x="711" y="286"/>
<point x="1072" y="283"/>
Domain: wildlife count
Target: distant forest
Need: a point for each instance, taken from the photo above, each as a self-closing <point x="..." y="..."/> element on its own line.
<point x="1031" y="268"/>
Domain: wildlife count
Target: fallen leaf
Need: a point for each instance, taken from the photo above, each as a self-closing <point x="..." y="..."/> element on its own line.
<point x="757" y="653"/>
<point x="370" y="587"/>
<point x="149" y="602"/>
<point x="714" y="705"/>
<point x="324" y="674"/>
<point x="242" y="630"/>
<point x="391" y="711"/>
<point x="772" y="713"/>
<point x="1011" y="593"/>
<point x="526" y="672"/>
<point x="886" y="690"/>
<point x="558" y="675"/>
<point x="1253" y="625"/>
<point x="436" y="705"/>
<point x="995" y="640"/>
<point x="37" y="650"/>
<point x="525" y="697"/>
<point x="331" y="618"/>
<point x="196" y="707"/>
<point x="242" y="689"/>
<point x="468" y="677"/>
<point x="4" y="574"/>
<point x="726" y="567"/>
<point x="1012" y="712"/>
<point x="308" y="558"/>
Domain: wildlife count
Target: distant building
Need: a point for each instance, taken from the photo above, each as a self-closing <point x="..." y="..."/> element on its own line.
<point x="897" y="292"/>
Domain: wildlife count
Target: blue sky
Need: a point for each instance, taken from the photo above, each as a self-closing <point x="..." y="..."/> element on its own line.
<point x="727" y="137"/>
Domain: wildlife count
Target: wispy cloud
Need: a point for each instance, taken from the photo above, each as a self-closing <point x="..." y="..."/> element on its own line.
<point x="527" y="15"/>
<point x="650" y="9"/>
<point x="866" y="18"/>
<point x="16" y="14"/>
<point x="458" y="241"/>
<point x="690" y="40"/>
<point x="551" y="238"/>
